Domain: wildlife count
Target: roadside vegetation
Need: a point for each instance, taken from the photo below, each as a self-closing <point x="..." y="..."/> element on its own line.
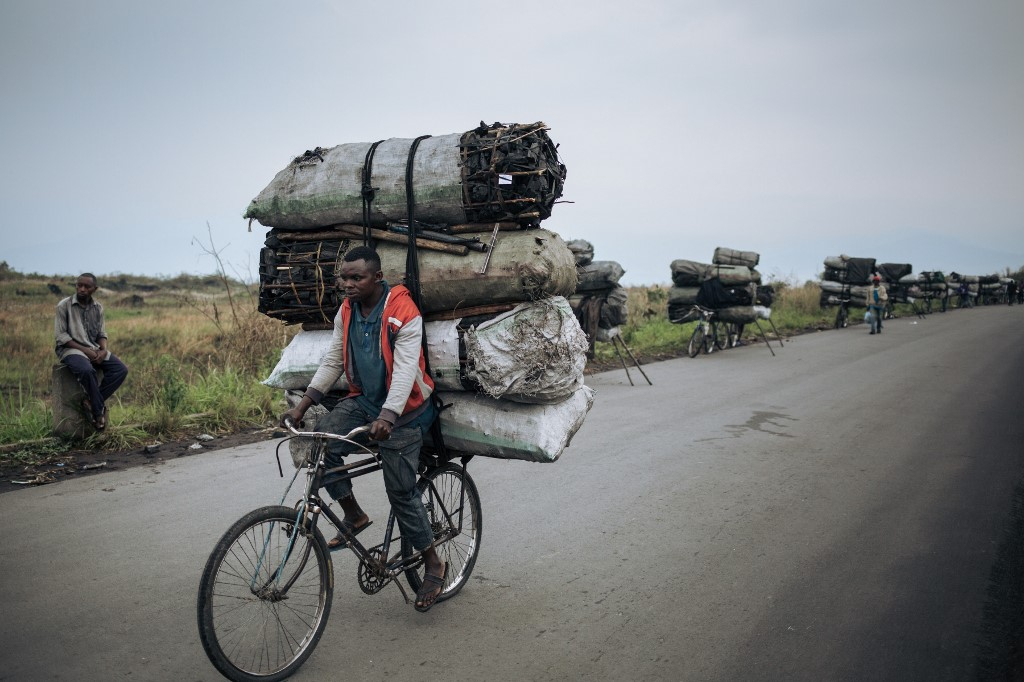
<point x="197" y="350"/>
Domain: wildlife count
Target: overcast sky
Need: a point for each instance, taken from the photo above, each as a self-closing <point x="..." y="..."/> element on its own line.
<point x="797" y="129"/>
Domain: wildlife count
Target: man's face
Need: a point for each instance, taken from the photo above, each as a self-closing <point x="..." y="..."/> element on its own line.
<point x="84" y="288"/>
<point x="358" y="281"/>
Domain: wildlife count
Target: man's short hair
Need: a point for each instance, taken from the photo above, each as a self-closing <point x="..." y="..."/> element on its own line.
<point x="90" y="276"/>
<point x="363" y="253"/>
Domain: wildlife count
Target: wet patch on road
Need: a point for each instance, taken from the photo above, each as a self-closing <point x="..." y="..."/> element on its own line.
<point x="759" y="421"/>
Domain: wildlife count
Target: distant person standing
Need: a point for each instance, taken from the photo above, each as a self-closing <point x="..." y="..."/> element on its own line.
<point x="1011" y="292"/>
<point x="1020" y="293"/>
<point x="82" y="345"/>
<point x="877" y="298"/>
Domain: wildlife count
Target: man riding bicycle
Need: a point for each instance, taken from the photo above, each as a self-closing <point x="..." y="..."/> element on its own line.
<point x="377" y="343"/>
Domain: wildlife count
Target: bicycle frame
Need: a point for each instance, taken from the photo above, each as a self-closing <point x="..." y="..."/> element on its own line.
<point x="311" y="506"/>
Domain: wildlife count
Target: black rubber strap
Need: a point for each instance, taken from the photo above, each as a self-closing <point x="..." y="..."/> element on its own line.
<point x="412" y="281"/>
<point x="368" y="190"/>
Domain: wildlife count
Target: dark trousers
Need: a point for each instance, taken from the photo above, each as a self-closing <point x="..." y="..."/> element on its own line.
<point x="400" y="457"/>
<point x="114" y="374"/>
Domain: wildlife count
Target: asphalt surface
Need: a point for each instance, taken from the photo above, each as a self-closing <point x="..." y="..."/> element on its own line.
<point x="848" y="509"/>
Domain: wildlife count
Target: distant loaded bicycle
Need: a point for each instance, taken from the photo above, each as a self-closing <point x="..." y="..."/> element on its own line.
<point x="843" y="314"/>
<point x="710" y="333"/>
<point x="265" y="594"/>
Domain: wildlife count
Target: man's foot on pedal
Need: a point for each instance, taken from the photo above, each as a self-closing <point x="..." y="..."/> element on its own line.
<point x="339" y="541"/>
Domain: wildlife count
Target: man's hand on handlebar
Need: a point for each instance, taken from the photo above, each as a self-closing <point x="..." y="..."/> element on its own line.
<point x="291" y="418"/>
<point x="380" y="429"/>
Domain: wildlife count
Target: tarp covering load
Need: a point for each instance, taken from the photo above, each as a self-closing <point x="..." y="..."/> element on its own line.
<point x="724" y="256"/>
<point x="892" y="273"/>
<point x="297" y="277"/>
<point x="491" y="173"/>
<point x="535" y="353"/>
<point x="719" y="286"/>
<point x="476" y="424"/>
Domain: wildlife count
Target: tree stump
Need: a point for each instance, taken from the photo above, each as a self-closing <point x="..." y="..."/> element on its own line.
<point x="69" y="419"/>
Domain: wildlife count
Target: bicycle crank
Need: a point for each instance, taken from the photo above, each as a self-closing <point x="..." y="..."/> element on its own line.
<point x="372" y="575"/>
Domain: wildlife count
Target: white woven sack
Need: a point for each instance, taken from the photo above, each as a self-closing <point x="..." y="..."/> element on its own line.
<point x="479" y="425"/>
<point x="535" y="353"/>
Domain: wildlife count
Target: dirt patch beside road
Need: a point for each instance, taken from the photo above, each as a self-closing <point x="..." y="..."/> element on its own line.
<point x="75" y="463"/>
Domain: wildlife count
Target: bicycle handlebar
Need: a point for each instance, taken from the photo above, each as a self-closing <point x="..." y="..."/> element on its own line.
<point x="359" y="430"/>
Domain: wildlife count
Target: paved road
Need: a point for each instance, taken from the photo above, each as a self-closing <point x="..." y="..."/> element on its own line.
<point x="834" y="512"/>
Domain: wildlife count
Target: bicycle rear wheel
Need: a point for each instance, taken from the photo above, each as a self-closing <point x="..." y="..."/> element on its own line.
<point x="696" y="341"/>
<point x="720" y="334"/>
<point x="448" y="492"/>
<point x="265" y="596"/>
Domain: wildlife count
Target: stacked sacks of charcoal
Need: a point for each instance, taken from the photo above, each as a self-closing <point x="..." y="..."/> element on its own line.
<point x="968" y="286"/>
<point x="930" y="284"/>
<point x="729" y="285"/>
<point x="846" y="278"/>
<point x="991" y="289"/>
<point x="600" y="302"/>
<point x="504" y="347"/>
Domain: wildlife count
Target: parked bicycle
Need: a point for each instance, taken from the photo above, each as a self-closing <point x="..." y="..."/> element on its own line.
<point x="710" y="333"/>
<point x="266" y="592"/>
<point x="842" y="314"/>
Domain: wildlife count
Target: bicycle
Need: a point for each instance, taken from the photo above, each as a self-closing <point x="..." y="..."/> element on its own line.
<point x="843" y="315"/>
<point x="266" y="591"/>
<point x="704" y="334"/>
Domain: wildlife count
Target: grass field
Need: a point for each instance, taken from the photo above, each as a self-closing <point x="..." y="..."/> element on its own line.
<point x="195" y="347"/>
<point x="197" y="350"/>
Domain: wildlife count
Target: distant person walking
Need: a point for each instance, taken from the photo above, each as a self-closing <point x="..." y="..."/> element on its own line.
<point x="877" y="298"/>
<point x="82" y="345"/>
<point x="1011" y="292"/>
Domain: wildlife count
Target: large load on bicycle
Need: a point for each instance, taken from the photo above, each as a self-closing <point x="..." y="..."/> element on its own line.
<point x="600" y="302"/>
<point x="729" y="286"/>
<point x="846" y="280"/>
<point x="930" y="286"/>
<point x="504" y="347"/>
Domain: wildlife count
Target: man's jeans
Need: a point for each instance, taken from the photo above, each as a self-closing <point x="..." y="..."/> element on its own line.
<point x="400" y="455"/>
<point x="876" y="318"/>
<point x="114" y="374"/>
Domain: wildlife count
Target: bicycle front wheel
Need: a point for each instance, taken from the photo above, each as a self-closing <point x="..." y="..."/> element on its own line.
<point x="453" y="506"/>
<point x="696" y="341"/>
<point x="264" y="596"/>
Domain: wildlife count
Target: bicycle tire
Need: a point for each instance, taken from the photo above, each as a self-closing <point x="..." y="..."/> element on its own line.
<point x="459" y="553"/>
<point x="720" y="334"/>
<point x="696" y="341"/>
<point x="264" y="635"/>
<point x="842" y="318"/>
